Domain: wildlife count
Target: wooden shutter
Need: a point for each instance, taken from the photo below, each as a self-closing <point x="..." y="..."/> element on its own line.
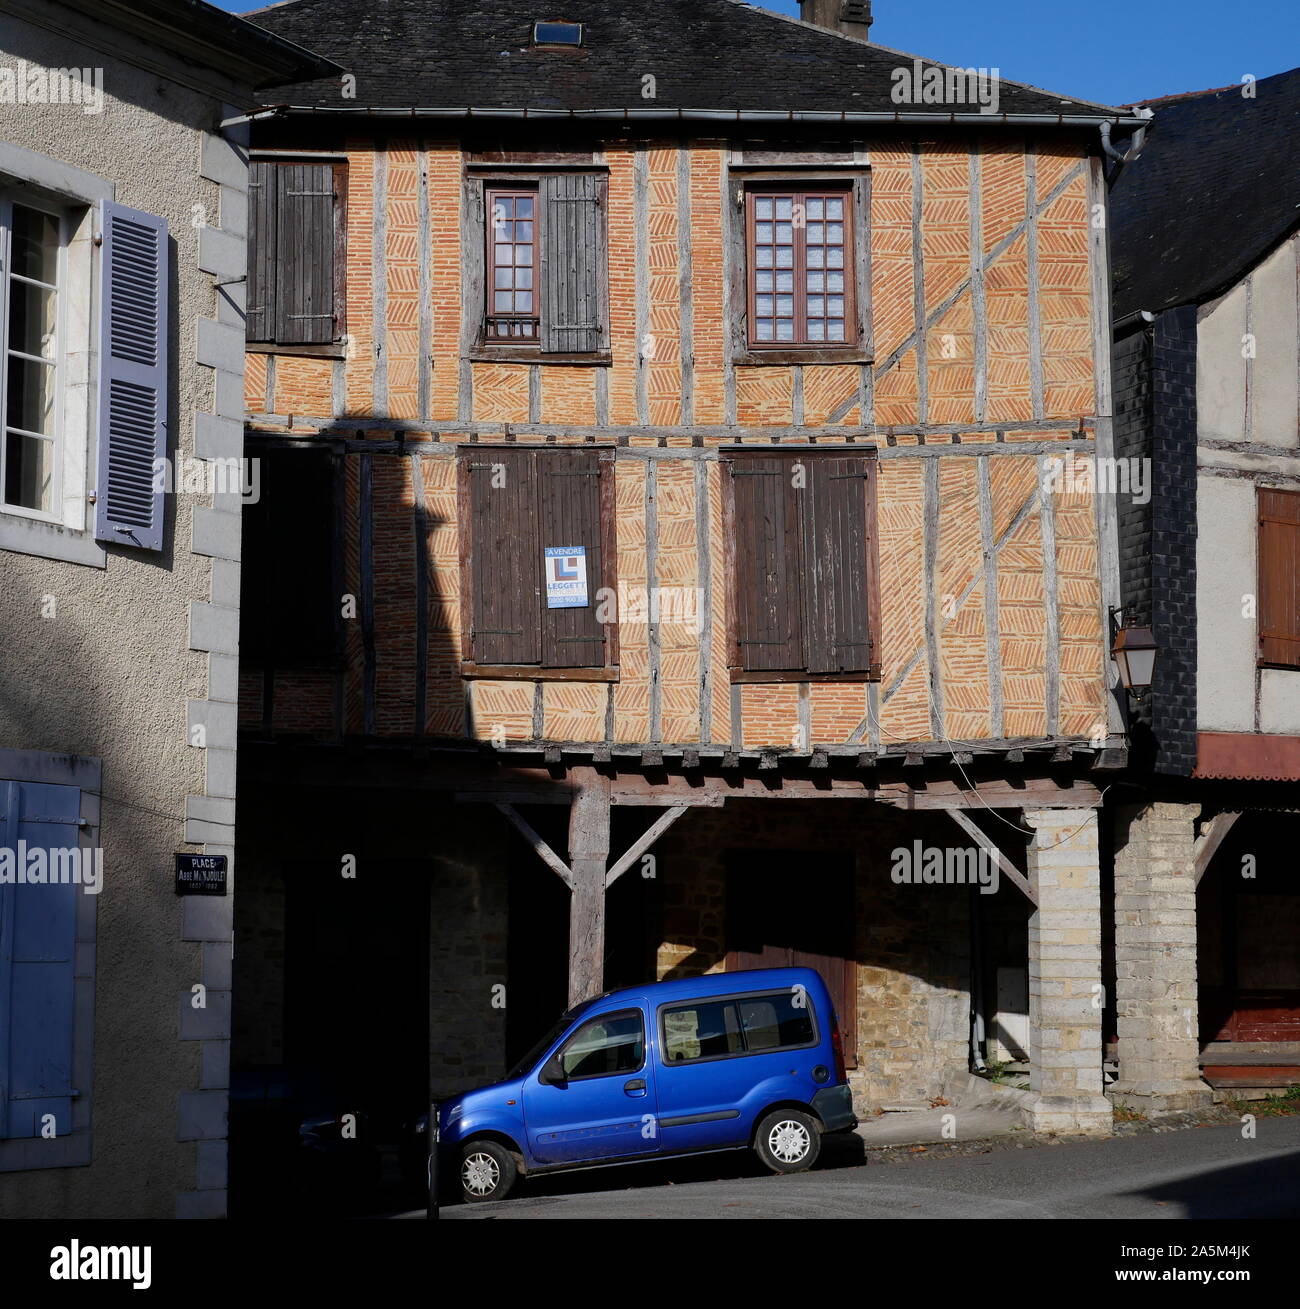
<point x="134" y="291"/>
<point x="505" y="556"/>
<point x="1279" y="578"/>
<point x="38" y="933"/>
<point x="304" y="263"/>
<point x="263" y="205"/>
<point x="836" y="616"/>
<point x="572" y="263"/>
<point x="768" y="564"/>
<point x="569" y="497"/>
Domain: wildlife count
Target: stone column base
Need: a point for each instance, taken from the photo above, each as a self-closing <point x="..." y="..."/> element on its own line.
<point x="1089" y="1115"/>
<point x="1162" y="1099"/>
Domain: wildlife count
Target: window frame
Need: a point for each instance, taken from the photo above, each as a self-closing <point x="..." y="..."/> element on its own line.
<point x="58" y="365"/>
<point x="737" y="672"/>
<point x="469" y="669"/>
<point x="734" y="998"/>
<point x="790" y="170"/>
<point x="338" y="165"/>
<point x="806" y="191"/>
<point x="566" y="1041"/>
<point x="482" y="176"/>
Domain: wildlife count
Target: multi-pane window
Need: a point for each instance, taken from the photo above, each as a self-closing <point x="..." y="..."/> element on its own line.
<point x="513" y="309"/>
<point x="800" y="268"/>
<point x="30" y="264"/>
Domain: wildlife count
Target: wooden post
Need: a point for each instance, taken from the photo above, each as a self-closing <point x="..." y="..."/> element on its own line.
<point x="588" y="855"/>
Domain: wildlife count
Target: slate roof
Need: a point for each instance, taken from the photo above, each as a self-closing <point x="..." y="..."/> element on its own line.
<point x="703" y="55"/>
<point x="1216" y="187"/>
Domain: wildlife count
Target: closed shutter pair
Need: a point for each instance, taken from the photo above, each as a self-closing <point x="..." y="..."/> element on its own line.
<point x="1279" y="578"/>
<point x="802" y="563"/>
<point x="38" y="935"/>
<point x="520" y="503"/>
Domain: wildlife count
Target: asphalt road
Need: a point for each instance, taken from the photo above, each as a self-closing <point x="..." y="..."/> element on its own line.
<point x="1209" y="1172"/>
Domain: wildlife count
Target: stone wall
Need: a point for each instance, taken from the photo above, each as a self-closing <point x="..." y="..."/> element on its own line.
<point x="912" y="942"/>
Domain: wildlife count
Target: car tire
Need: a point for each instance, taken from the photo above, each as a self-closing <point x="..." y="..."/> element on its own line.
<point x="487" y="1172"/>
<point x="788" y="1140"/>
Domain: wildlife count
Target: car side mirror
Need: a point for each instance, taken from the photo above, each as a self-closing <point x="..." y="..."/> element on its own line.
<point x="552" y="1073"/>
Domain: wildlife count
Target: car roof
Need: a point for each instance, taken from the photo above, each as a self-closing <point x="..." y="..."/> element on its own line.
<point x="690" y="988"/>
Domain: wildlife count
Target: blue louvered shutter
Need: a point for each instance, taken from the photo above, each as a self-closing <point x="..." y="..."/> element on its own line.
<point x="133" y="298"/>
<point x="38" y="934"/>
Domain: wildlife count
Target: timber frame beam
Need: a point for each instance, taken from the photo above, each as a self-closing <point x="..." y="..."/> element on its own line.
<point x="562" y="870"/>
<point x="987" y="844"/>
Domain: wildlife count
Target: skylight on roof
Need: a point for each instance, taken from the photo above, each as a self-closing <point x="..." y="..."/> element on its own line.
<point x="557" y="33"/>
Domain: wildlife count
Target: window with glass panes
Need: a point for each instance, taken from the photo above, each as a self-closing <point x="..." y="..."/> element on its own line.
<point x="800" y="268"/>
<point x="512" y="292"/>
<point x="30" y="263"/>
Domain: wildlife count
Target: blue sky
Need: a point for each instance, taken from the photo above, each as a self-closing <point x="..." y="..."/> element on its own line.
<point x="1114" y="54"/>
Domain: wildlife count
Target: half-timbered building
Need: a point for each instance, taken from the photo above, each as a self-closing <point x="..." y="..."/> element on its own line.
<point x="671" y="555"/>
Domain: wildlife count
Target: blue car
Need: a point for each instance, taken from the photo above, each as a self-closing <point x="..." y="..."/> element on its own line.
<point x="729" y="1061"/>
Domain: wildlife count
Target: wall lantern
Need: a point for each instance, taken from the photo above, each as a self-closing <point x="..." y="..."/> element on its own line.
<point x="1134" y="651"/>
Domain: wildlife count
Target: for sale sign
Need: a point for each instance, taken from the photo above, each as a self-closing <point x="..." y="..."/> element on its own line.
<point x="566" y="577"/>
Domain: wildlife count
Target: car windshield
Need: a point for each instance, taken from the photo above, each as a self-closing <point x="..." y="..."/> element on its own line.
<point x="525" y="1065"/>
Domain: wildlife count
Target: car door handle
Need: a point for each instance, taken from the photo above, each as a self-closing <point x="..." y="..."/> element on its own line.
<point x="635" y="1087"/>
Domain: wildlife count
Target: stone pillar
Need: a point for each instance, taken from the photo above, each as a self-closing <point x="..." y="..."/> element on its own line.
<point x="1065" y="987"/>
<point x="1155" y="959"/>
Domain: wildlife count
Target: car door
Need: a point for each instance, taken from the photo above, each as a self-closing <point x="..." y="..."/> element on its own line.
<point x="605" y="1107"/>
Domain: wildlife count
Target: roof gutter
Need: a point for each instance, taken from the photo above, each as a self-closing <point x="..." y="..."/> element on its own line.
<point x="710" y="115"/>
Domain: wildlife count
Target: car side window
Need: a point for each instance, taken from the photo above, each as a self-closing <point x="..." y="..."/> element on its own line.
<point x="702" y="1031"/>
<point x="715" y="1029"/>
<point x="772" y="1021"/>
<point x="612" y="1043"/>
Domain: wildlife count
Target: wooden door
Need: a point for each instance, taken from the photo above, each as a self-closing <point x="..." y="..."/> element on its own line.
<point x="795" y="909"/>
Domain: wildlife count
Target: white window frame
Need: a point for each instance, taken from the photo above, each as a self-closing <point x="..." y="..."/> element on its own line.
<point x="40" y="182"/>
<point x="59" y="367"/>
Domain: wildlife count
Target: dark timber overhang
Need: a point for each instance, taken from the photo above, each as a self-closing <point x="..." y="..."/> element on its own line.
<point x="1014" y="773"/>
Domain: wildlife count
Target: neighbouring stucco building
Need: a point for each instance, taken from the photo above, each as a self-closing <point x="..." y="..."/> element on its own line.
<point x="122" y="255"/>
<point x="1207" y="907"/>
<point x="772" y="372"/>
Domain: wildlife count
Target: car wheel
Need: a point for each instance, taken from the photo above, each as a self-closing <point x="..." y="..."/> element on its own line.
<point x="788" y="1141"/>
<point x="487" y="1172"/>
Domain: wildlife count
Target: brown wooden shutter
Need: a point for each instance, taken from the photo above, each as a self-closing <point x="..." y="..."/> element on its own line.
<point x="836" y="611"/>
<point x="506" y="555"/>
<point x="262" y="207"/>
<point x="572" y="263"/>
<point x="1279" y="578"/>
<point x="569" y="511"/>
<point x="304" y="298"/>
<point x="768" y="564"/>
